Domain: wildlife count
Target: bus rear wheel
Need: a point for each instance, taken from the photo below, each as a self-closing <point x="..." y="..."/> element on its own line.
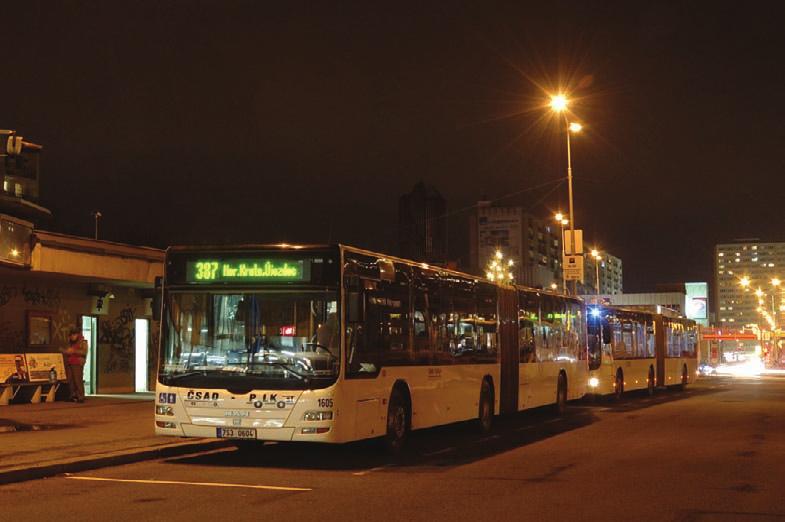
<point x="485" y="414"/>
<point x="397" y="422"/>
<point x="685" y="378"/>
<point x="650" y="384"/>
<point x="561" y="395"/>
<point x="618" y="390"/>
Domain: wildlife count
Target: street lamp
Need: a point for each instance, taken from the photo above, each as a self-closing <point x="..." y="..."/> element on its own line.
<point x="559" y="103"/>
<point x="595" y="254"/>
<point x="562" y="221"/>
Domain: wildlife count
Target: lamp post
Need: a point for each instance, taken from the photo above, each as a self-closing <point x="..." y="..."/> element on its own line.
<point x="559" y="105"/>
<point x="97" y="215"/>
<point x="595" y="254"/>
<point x="562" y="221"/>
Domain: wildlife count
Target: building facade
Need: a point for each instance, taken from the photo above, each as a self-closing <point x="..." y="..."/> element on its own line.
<point x="422" y="225"/>
<point x="740" y="269"/>
<point x="610" y="275"/>
<point x="532" y="244"/>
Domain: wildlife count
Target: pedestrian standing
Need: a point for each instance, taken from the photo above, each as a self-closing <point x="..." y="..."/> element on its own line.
<point x="75" y="355"/>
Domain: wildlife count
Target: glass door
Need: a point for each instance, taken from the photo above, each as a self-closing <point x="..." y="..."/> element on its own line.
<point x="90" y="333"/>
<point x="142" y="341"/>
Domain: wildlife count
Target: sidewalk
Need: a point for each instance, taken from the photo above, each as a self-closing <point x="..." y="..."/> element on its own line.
<point x="45" y="439"/>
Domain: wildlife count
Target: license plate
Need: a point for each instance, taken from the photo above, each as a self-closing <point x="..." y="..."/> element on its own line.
<point x="236" y="433"/>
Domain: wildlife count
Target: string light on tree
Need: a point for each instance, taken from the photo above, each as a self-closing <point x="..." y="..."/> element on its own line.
<point x="500" y="270"/>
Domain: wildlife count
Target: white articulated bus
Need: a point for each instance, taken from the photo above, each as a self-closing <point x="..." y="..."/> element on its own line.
<point x="636" y="350"/>
<point x="336" y="344"/>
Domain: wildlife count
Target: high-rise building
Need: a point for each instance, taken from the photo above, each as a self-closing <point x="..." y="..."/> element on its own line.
<point x="610" y="275"/>
<point x="422" y="225"/>
<point x="531" y="243"/>
<point x="740" y="269"/>
<point x="19" y="173"/>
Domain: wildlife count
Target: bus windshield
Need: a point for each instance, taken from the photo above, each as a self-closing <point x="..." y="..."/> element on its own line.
<point x="260" y="339"/>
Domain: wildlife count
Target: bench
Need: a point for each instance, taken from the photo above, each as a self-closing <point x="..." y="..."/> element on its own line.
<point x="33" y="392"/>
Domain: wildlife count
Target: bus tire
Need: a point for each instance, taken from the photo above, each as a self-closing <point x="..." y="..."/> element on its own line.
<point x="650" y="383"/>
<point x="685" y="378"/>
<point x="398" y="421"/>
<point x="561" y="395"/>
<point x="485" y="413"/>
<point x="618" y="389"/>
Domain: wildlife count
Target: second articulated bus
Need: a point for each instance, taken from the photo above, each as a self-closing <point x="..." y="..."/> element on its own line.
<point x="336" y="344"/>
<point x="635" y="350"/>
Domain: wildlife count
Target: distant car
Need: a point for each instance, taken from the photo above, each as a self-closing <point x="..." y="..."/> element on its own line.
<point x="707" y="369"/>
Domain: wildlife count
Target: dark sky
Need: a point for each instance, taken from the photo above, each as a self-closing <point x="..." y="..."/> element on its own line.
<point x="227" y="121"/>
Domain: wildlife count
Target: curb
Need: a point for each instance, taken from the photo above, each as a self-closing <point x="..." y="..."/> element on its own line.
<point x="50" y="470"/>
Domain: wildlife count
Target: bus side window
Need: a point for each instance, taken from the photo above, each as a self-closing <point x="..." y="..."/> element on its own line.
<point x="462" y="331"/>
<point x="486" y="323"/>
<point x="528" y="317"/>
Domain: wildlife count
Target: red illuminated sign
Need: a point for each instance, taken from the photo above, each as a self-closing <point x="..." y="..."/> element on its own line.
<point x="287" y="331"/>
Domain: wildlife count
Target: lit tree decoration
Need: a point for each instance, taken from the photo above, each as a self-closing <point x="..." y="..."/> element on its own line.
<point x="498" y="269"/>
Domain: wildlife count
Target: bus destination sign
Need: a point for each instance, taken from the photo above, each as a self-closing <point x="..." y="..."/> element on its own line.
<point x="247" y="270"/>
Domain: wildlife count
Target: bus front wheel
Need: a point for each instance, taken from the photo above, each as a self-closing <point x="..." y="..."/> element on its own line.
<point x="650" y="387"/>
<point x="485" y="415"/>
<point x="619" y="386"/>
<point x="397" y="422"/>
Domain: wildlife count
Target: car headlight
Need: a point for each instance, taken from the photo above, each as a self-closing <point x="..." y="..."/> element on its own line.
<point x="594" y="382"/>
<point x="318" y="415"/>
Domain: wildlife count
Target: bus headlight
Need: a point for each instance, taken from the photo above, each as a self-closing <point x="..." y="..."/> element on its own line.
<point x="594" y="382"/>
<point x="318" y="415"/>
<point x="166" y="424"/>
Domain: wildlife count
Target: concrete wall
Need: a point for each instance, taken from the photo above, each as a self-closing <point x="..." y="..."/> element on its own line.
<point x="67" y="299"/>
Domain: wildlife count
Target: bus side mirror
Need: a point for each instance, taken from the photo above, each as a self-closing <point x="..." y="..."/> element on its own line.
<point x="354" y="308"/>
<point x="158" y="298"/>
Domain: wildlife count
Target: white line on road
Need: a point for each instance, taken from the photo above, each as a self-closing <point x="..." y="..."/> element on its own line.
<point x="439" y="452"/>
<point x="365" y="472"/>
<point x="179" y="483"/>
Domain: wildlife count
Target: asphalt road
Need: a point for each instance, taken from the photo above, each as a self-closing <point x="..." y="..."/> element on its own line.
<point x="715" y="452"/>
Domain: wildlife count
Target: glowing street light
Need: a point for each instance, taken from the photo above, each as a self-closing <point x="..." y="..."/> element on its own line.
<point x="559" y="103"/>
<point x="498" y="269"/>
<point x="575" y="127"/>
<point x="744" y="282"/>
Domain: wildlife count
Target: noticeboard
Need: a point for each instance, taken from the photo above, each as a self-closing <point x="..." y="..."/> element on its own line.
<point x="45" y="367"/>
<point x="573" y="268"/>
<point x="13" y="368"/>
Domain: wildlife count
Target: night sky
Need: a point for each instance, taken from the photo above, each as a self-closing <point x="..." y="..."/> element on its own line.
<point x="188" y="122"/>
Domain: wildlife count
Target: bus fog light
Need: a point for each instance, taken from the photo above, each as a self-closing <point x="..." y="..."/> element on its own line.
<point x="166" y="424"/>
<point x="594" y="382"/>
<point x="318" y="415"/>
<point x="164" y="410"/>
<point x="314" y="431"/>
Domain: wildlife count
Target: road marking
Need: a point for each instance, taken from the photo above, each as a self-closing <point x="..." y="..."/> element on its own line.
<point x="180" y="483"/>
<point x="490" y="437"/>
<point x="365" y="472"/>
<point x="439" y="452"/>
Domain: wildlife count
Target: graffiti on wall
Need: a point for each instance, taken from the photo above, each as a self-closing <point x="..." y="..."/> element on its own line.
<point x="49" y="297"/>
<point x="6" y="294"/>
<point x="118" y="336"/>
<point x="11" y="340"/>
<point x="62" y="322"/>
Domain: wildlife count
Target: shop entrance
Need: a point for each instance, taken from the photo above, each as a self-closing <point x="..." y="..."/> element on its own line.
<point x="141" y="343"/>
<point x="90" y="333"/>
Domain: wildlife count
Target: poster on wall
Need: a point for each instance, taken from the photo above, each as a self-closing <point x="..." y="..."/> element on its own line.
<point x="45" y="367"/>
<point x="13" y="368"/>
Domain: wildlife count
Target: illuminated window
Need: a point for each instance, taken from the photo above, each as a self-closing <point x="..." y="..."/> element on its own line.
<point x="721" y="254"/>
<point x="755" y="247"/>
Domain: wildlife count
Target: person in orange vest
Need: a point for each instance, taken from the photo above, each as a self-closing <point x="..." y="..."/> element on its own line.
<point x="75" y="355"/>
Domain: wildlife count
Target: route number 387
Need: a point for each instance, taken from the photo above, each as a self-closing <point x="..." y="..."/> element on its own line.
<point x="206" y="271"/>
<point x="325" y="403"/>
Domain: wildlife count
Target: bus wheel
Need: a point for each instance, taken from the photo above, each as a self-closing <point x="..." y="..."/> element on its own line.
<point x="561" y="395"/>
<point x="397" y="422"/>
<point x="685" y="379"/>
<point x="650" y="387"/>
<point x="485" y="415"/>
<point x="619" y="388"/>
